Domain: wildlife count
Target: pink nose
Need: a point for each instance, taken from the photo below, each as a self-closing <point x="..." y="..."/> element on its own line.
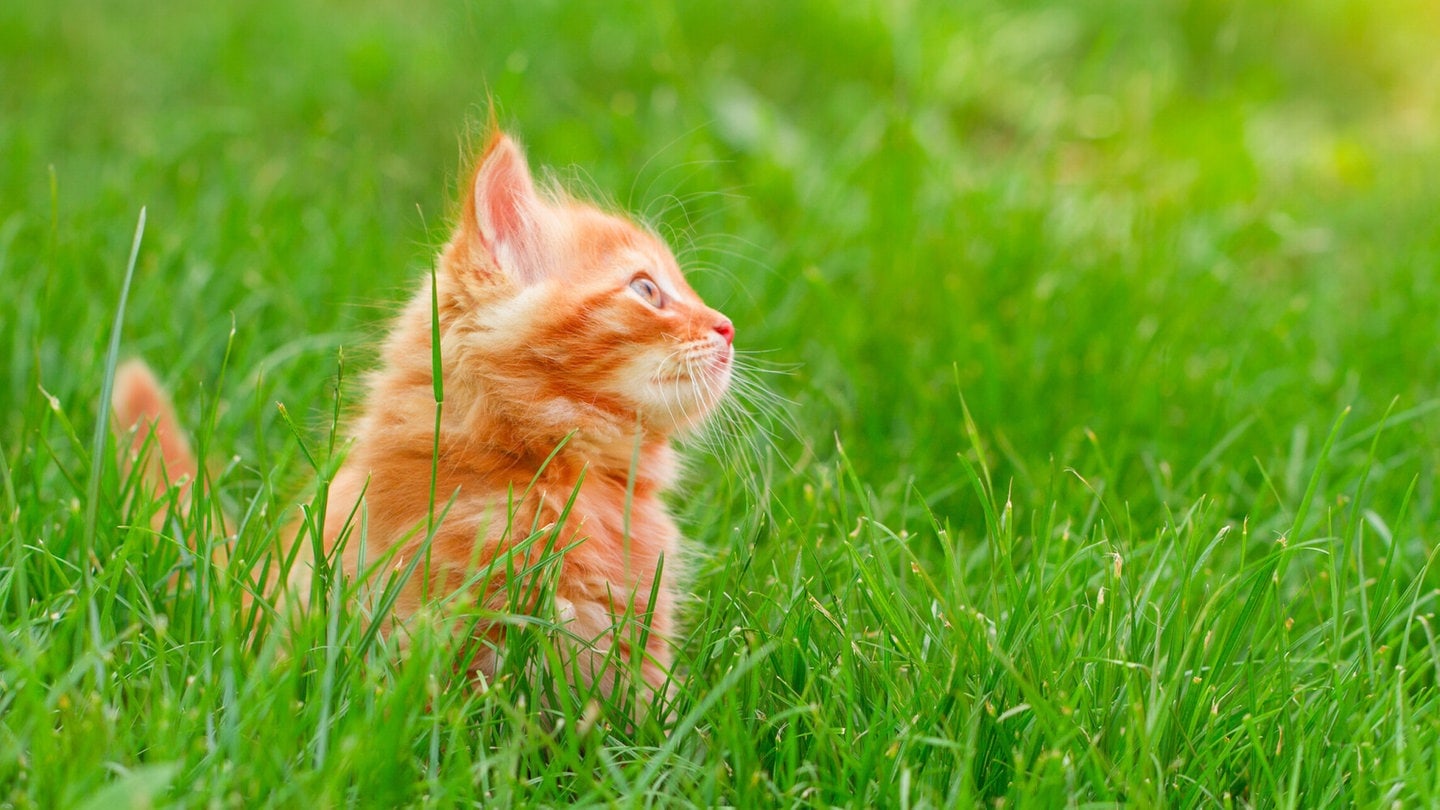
<point x="727" y="331"/>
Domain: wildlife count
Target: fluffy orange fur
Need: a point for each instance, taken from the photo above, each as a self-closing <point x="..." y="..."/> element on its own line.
<point x="561" y="326"/>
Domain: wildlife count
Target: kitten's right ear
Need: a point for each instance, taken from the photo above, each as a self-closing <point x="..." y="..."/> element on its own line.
<point x="509" y="215"/>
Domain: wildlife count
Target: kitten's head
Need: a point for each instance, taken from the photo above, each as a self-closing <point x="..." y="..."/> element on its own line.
<point x="575" y="313"/>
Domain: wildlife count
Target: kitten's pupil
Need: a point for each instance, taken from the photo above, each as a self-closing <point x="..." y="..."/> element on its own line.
<point x="648" y="290"/>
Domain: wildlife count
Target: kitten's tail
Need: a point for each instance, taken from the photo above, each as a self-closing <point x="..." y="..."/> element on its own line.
<point x="142" y="409"/>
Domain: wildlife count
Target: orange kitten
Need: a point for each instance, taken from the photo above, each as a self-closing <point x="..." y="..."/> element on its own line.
<point x="561" y="326"/>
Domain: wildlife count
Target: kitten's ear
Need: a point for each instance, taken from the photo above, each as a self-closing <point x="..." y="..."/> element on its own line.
<point x="509" y="215"/>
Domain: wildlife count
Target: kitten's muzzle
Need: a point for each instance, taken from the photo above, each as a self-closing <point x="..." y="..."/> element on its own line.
<point x="726" y="330"/>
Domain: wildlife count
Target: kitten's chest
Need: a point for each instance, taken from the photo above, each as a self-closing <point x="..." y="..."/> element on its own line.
<point x="606" y="527"/>
<point x="611" y="522"/>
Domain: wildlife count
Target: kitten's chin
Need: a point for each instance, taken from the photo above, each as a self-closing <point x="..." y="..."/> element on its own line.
<point x="681" y="402"/>
<point x="676" y="391"/>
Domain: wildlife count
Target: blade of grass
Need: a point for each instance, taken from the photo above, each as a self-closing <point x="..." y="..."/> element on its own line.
<point x="97" y="448"/>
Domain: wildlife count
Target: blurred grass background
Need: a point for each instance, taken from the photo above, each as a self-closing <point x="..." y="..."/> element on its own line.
<point x="1219" y="211"/>
<point x="1162" y="245"/>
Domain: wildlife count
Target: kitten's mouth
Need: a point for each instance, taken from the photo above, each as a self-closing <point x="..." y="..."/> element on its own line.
<point x="712" y="373"/>
<point x="698" y="368"/>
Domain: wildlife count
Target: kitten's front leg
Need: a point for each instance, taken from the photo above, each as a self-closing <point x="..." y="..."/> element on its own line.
<point x="616" y="646"/>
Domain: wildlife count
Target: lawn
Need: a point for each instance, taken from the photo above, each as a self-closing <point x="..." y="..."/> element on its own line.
<point x="1101" y="462"/>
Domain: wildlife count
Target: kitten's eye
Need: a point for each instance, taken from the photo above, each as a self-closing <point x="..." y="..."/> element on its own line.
<point x="648" y="291"/>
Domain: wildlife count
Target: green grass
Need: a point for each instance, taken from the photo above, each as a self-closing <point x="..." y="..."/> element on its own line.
<point x="1116" y="396"/>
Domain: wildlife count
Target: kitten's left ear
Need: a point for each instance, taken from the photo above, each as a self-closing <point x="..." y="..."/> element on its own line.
<point x="510" y="216"/>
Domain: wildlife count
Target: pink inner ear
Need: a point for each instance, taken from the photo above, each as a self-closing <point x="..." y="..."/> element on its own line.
<point x="505" y="198"/>
<point x="510" y="216"/>
<point x="505" y="184"/>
